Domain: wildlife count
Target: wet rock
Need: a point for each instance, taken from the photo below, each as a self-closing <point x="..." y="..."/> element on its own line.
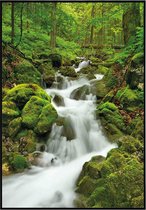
<point x="99" y="89"/>
<point x="80" y="93"/>
<point x="58" y="100"/>
<point x="68" y="130"/>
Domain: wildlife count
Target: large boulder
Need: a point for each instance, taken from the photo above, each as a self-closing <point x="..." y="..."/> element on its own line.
<point x="21" y="94"/>
<point x="27" y="117"/>
<point x="56" y="60"/>
<point x="114" y="182"/>
<point x="80" y="93"/>
<point x="111" y="120"/>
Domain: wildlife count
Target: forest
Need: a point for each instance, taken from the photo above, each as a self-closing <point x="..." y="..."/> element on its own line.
<point x="73" y="104"/>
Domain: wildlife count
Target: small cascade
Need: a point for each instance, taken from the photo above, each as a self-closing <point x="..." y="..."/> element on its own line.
<point x="52" y="182"/>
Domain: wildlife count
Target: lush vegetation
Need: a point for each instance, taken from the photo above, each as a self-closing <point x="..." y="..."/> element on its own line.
<point x="39" y="39"/>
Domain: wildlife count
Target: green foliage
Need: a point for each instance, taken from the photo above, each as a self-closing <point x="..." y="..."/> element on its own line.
<point x="130" y="99"/>
<point x="18" y="162"/>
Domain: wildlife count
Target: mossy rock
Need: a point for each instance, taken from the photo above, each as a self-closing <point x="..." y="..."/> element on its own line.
<point x="30" y="137"/>
<point x="46" y="119"/>
<point x="32" y="110"/>
<point x="25" y="72"/>
<point x="18" y="162"/>
<point x="21" y="94"/>
<point x="121" y="181"/>
<point x="130" y="99"/>
<point x="68" y="71"/>
<point x="80" y="93"/>
<point x="111" y="79"/>
<point x="102" y="69"/>
<point x="136" y="128"/>
<point x="91" y="168"/>
<point x="14" y="126"/>
<point x="9" y="112"/>
<point x="86" y="185"/>
<point x="131" y="145"/>
<point x="89" y="70"/>
<point x="112" y="120"/>
<point x="98" y="88"/>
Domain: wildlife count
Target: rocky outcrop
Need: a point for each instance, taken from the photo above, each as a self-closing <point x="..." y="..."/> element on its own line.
<point x="27" y="117"/>
<point x="114" y="182"/>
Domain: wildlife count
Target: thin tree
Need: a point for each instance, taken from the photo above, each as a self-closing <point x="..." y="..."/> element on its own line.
<point x="12" y="23"/>
<point x="92" y="25"/>
<point x="131" y="20"/>
<point x="53" y="26"/>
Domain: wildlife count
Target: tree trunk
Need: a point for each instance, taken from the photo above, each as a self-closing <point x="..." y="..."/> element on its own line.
<point x="21" y="24"/>
<point x="131" y="20"/>
<point x="12" y="23"/>
<point x="54" y="26"/>
<point x="92" y="26"/>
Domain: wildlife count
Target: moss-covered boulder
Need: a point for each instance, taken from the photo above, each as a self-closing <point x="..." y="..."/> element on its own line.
<point x="9" y="112"/>
<point x="22" y="93"/>
<point x="120" y="180"/>
<point x="68" y="71"/>
<point x="80" y="93"/>
<point x="18" y="69"/>
<point x="25" y="72"/>
<point x="88" y="69"/>
<point x="111" y="120"/>
<point x="14" y="126"/>
<point x="99" y="89"/>
<point x="102" y="69"/>
<point x="27" y="116"/>
<point x="130" y="99"/>
<point x="46" y="119"/>
<point x="32" y="110"/>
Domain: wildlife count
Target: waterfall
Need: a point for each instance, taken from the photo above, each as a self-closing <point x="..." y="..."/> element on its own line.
<point x="52" y="183"/>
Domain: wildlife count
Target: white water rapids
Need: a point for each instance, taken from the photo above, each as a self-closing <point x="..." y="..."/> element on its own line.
<point x="54" y="184"/>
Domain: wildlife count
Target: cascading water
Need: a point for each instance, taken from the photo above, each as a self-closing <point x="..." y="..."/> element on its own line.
<point x="52" y="183"/>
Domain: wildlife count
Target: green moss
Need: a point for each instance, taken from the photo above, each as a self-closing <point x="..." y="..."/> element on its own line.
<point x="22" y="93"/>
<point x="102" y="69"/>
<point x="46" y="119"/>
<point x="109" y="106"/>
<point x="18" y="162"/>
<point x="111" y="79"/>
<point x="130" y="99"/>
<point x="130" y="144"/>
<point x="25" y="72"/>
<point x="99" y="89"/>
<point x="9" y="112"/>
<point x="111" y="119"/>
<point x="68" y="71"/>
<point x="121" y="180"/>
<point x="14" y="126"/>
<point x="86" y="186"/>
<point x="32" y="110"/>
